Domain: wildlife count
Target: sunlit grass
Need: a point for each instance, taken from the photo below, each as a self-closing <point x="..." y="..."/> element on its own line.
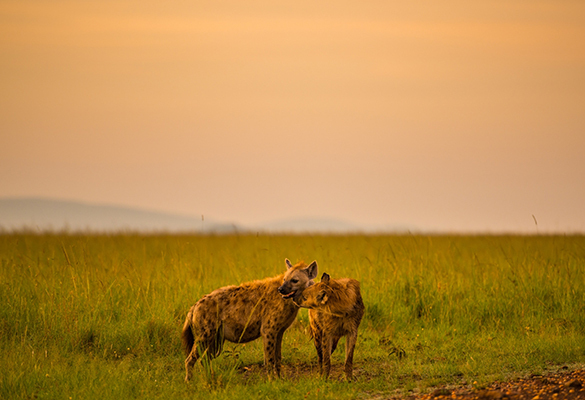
<point x="100" y="316"/>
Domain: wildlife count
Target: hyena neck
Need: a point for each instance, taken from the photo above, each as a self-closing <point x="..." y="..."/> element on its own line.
<point x="340" y="301"/>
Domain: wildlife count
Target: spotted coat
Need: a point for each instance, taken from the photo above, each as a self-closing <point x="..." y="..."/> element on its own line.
<point x="239" y="314"/>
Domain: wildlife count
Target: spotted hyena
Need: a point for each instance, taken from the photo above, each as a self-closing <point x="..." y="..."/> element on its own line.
<point x="335" y="310"/>
<point x="243" y="313"/>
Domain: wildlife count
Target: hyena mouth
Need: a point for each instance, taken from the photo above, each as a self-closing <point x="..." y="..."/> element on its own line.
<point x="288" y="296"/>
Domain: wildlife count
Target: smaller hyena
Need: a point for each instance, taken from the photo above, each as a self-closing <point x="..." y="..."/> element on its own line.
<point x="335" y="310"/>
<point x="243" y="313"/>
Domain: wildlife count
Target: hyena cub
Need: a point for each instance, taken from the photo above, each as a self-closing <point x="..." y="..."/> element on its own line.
<point x="335" y="310"/>
<point x="243" y="313"/>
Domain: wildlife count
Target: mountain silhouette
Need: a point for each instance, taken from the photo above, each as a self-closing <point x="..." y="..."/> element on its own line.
<point x="39" y="214"/>
<point x="42" y="215"/>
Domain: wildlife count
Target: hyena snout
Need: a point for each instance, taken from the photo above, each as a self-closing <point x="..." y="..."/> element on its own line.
<point x="286" y="291"/>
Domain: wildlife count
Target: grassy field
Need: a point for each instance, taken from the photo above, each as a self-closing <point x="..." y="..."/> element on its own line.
<point x="85" y="317"/>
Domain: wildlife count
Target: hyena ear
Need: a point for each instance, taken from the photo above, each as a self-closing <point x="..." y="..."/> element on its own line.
<point x="322" y="297"/>
<point x="312" y="270"/>
<point x="288" y="263"/>
<point x="325" y="278"/>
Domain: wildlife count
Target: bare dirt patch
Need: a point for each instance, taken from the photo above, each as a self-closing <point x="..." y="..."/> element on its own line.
<point x="562" y="385"/>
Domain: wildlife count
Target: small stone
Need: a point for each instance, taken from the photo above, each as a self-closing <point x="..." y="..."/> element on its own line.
<point x="575" y="383"/>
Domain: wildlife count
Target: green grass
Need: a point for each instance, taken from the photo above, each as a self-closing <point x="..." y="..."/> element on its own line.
<point x="100" y="316"/>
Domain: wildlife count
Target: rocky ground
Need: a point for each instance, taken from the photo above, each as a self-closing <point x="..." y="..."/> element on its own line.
<point x="561" y="385"/>
<point x="564" y="383"/>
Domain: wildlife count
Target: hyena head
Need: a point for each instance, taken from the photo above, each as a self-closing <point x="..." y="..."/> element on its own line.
<point x="317" y="295"/>
<point x="296" y="279"/>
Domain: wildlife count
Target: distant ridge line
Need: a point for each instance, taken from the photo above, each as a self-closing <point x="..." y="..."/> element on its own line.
<point x="55" y="215"/>
<point x="35" y="213"/>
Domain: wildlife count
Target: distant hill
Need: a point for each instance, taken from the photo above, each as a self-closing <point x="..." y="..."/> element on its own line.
<point x="58" y="215"/>
<point x="328" y="225"/>
<point x="40" y="214"/>
<point x="309" y="225"/>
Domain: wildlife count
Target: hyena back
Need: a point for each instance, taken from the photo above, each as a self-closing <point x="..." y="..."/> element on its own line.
<point x="244" y="313"/>
<point x="336" y="309"/>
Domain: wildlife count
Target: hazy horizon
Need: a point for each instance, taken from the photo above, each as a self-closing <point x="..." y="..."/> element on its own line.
<point x="451" y="116"/>
<point x="39" y="214"/>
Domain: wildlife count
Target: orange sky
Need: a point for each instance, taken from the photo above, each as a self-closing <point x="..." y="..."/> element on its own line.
<point x="451" y="116"/>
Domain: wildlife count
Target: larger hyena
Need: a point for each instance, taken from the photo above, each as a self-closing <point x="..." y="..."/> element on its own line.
<point x="336" y="309"/>
<point x="243" y="313"/>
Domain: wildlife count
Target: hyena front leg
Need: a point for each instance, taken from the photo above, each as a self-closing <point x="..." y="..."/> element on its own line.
<point x="270" y="360"/>
<point x="327" y="344"/>
<point x="278" y="351"/>
<point x="318" y="340"/>
<point x="350" y="342"/>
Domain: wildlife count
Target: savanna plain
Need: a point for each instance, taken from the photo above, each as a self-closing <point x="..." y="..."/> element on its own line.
<point x="100" y="316"/>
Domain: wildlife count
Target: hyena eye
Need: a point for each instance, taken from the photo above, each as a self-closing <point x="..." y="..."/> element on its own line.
<point x="294" y="280"/>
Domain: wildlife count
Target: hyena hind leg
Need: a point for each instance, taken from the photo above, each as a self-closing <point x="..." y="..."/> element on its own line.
<point x="209" y="348"/>
<point x="190" y="362"/>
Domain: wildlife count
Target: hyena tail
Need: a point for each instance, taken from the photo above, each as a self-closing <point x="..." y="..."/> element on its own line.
<point x="187" y="336"/>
